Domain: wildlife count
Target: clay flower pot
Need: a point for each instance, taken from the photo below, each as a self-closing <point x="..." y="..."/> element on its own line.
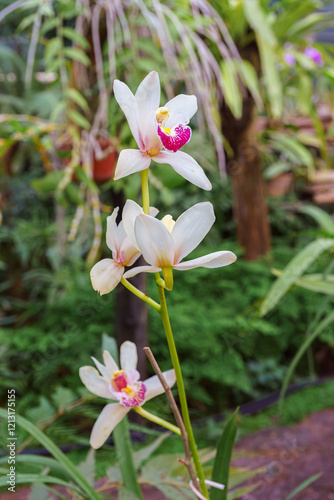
<point x="103" y="168"/>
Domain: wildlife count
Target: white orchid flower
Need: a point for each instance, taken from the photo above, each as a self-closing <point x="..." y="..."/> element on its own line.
<point x="122" y="385"/>
<point x="155" y="128"/>
<point x="165" y="243"/>
<point x="107" y="273"/>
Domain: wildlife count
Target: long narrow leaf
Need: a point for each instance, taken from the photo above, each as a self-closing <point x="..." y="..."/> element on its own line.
<point x="324" y="220"/>
<point x="221" y="468"/>
<point x="303" y="485"/>
<point x="293" y="271"/>
<point x="271" y="76"/>
<point x="38" y="478"/>
<point x="301" y="351"/>
<point x="56" y="453"/>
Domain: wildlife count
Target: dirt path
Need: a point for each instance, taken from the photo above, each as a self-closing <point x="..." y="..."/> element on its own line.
<point x="290" y="455"/>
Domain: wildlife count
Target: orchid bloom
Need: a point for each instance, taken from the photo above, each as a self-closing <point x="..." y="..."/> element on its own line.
<point x="155" y="128"/>
<point x="122" y="385"/>
<point x="165" y="243"/>
<point x="314" y="54"/>
<point x="107" y="273"/>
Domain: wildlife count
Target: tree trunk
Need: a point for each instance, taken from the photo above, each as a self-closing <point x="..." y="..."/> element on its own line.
<point x="131" y="318"/>
<point x="131" y="312"/>
<point x="249" y="205"/>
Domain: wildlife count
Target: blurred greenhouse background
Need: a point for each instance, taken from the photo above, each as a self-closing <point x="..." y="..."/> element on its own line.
<point x="263" y="74"/>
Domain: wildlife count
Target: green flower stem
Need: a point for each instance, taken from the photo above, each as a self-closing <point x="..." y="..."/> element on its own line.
<point x="182" y="392"/>
<point x="172" y="349"/>
<point x="140" y="294"/>
<point x="145" y="191"/>
<point x="157" y="420"/>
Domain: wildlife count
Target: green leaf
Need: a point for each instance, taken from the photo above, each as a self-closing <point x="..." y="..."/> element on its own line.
<point x="175" y="493"/>
<point x="25" y="23"/>
<point x="76" y="37"/>
<point x="49" y="25"/>
<point x="231" y="88"/>
<point x="87" y="467"/>
<point x="240" y="474"/>
<point x="276" y="169"/>
<point x="293" y="271"/>
<point x="301" y="351"/>
<point x="78" y="119"/>
<point x="304" y="485"/>
<point x="76" y="54"/>
<point x="319" y="283"/>
<point x="161" y="466"/>
<point x="125" y="494"/>
<point x="258" y="19"/>
<point x="56" y="453"/>
<point x="122" y="442"/>
<point x="109" y="344"/>
<point x="271" y="76"/>
<point x="244" y="490"/>
<point x="222" y="462"/>
<point x="292" y="149"/>
<point x="78" y="98"/>
<point x="324" y="220"/>
<point x="52" y="50"/>
<point x="73" y="192"/>
<point x="37" y="478"/>
<point x="41" y="461"/>
<point x="47" y="183"/>
<point x="141" y="455"/>
<point x="63" y="397"/>
<point x="250" y="80"/>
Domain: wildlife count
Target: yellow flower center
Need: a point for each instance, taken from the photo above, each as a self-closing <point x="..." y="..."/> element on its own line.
<point x="168" y="222"/>
<point x="162" y="115"/>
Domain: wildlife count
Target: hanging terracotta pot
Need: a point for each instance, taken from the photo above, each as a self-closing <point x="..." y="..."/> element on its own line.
<point x="103" y="168"/>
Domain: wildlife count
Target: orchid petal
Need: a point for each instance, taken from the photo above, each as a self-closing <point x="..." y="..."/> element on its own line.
<point x="102" y="369"/>
<point x="154" y="386"/>
<point x="211" y="261"/>
<point x="106" y="275"/>
<point x="148" y="100"/>
<point x="110" y="363"/>
<point x="128" y="356"/>
<point x="112" y="230"/>
<point x="186" y="166"/>
<point x="131" y="161"/>
<point x="191" y="227"/>
<point x="128" y="104"/>
<point x="94" y="382"/>
<point x="110" y="416"/>
<point x="131" y="211"/>
<point x="141" y="269"/>
<point x="155" y="241"/>
<point x="127" y="252"/>
<point x="181" y="108"/>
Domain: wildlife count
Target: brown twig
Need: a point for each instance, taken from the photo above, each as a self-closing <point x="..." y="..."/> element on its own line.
<point x="176" y="412"/>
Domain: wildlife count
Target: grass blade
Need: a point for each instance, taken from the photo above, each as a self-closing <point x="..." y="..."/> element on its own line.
<point x="303" y="485"/>
<point x="221" y="468"/>
<point x="56" y="453"/>
<point x="293" y="271"/>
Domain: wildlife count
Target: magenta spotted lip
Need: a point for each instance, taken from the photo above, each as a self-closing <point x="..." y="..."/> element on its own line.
<point x="174" y="139"/>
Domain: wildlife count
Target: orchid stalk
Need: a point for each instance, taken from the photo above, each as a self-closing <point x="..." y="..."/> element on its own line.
<point x="177" y="367"/>
<point x="160" y="131"/>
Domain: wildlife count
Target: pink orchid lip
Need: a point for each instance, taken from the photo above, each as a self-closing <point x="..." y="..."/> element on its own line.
<point x="128" y="394"/>
<point x="176" y="138"/>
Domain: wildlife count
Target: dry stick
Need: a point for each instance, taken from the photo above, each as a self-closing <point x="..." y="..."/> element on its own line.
<point x="177" y="415"/>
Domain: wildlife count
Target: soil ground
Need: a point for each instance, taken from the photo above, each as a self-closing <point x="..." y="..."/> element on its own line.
<point x="289" y="454"/>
